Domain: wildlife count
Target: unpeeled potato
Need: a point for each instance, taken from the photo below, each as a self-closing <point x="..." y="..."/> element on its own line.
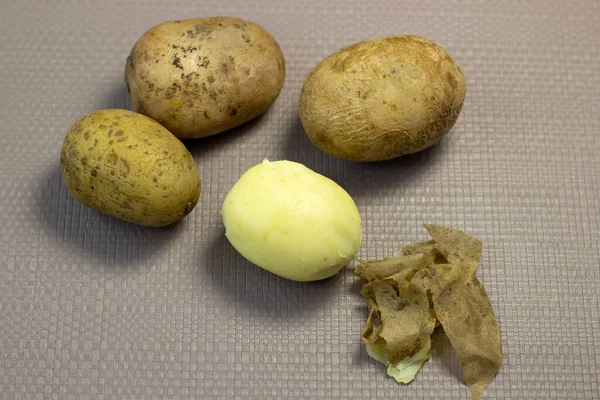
<point x="130" y="167"/>
<point x="382" y="98"/>
<point x="202" y="76"/>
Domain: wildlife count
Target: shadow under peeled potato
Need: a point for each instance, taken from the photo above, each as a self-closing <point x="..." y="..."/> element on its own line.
<point x="260" y="292"/>
<point x="360" y="178"/>
<point x="103" y="239"/>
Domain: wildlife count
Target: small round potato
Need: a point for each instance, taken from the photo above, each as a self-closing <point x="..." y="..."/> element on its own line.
<point x="382" y="98"/>
<point x="202" y="76"/>
<point x="292" y="221"/>
<point x="128" y="166"/>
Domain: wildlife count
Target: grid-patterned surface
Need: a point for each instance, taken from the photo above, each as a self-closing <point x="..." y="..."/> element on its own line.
<point x="92" y="308"/>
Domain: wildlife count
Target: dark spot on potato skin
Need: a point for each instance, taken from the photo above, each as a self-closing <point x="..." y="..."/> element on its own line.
<point x="177" y="63"/>
<point x="126" y="165"/>
<point x="233" y="112"/>
<point x="102" y="126"/>
<point x="94" y="173"/>
<point x="210" y="79"/>
<point x="206" y="115"/>
<point x="203" y="61"/>
<point x="246" y="40"/>
<point x="112" y="158"/>
<point x="119" y="132"/>
<point x="170" y="92"/>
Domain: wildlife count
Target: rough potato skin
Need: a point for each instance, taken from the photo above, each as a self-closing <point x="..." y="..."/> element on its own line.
<point x="379" y="99"/>
<point x="202" y="76"/>
<point x="128" y="166"/>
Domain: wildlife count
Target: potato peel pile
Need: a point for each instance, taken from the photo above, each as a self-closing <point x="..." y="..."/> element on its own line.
<point x="431" y="283"/>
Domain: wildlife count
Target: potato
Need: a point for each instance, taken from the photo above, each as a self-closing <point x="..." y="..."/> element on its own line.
<point x="292" y="221"/>
<point x="126" y="165"/>
<point x="382" y="98"/>
<point x="202" y="76"/>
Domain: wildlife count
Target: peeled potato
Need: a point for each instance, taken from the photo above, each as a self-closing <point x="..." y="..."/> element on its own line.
<point x="292" y="221"/>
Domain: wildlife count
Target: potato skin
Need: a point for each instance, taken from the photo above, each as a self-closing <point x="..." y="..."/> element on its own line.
<point x="202" y="76"/>
<point x="128" y="166"/>
<point x="382" y="98"/>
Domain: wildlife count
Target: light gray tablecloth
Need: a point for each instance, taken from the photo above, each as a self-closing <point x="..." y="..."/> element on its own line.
<point x="95" y="308"/>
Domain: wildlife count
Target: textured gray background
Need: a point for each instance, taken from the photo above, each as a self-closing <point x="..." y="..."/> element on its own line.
<point x="93" y="308"/>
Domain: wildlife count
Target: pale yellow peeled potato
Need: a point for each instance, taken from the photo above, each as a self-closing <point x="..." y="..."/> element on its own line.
<point x="292" y="221"/>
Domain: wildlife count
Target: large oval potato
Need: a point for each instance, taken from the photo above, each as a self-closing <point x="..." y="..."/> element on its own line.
<point x="382" y="98"/>
<point x="128" y="166"/>
<point x="202" y="76"/>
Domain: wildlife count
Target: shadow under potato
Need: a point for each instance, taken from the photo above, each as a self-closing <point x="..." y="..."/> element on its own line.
<point x="104" y="239"/>
<point x="441" y="348"/>
<point x="221" y="142"/>
<point x="359" y="178"/>
<point x="116" y="96"/>
<point x="262" y="293"/>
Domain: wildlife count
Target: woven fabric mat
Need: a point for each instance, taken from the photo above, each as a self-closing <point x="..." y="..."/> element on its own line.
<point x="95" y="308"/>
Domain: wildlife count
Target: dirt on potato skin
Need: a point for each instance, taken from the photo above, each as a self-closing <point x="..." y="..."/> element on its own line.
<point x="202" y="76"/>
<point x="128" y="166"/>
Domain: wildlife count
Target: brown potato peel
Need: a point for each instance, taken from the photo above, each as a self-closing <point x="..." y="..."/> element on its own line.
<point x="434" y="280"/>
<point x="399" y="315"/>
<point x="458" y="247"/>
<point x="381" y="269"/>
<point x="430" y="252"/>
